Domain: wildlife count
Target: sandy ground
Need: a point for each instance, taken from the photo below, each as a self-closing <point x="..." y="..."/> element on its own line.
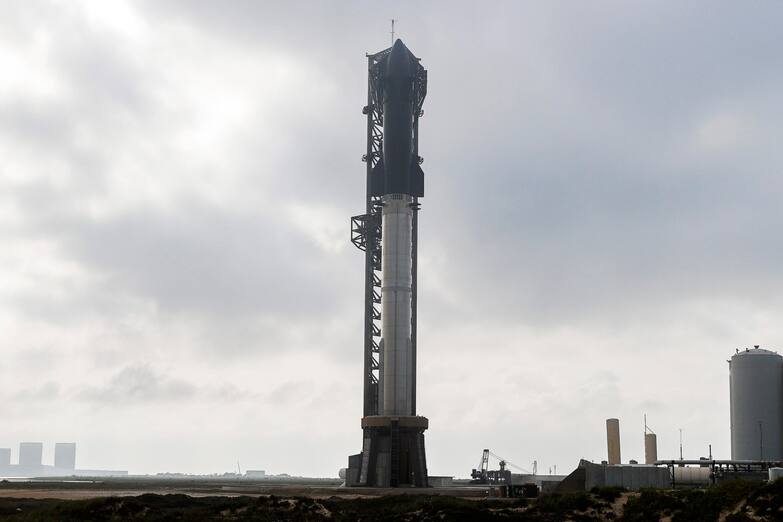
<point x="74" y="492"/>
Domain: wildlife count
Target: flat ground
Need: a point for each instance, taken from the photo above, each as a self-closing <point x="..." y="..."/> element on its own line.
<point x="204" y="500"/>
<point x="123" y="487"/>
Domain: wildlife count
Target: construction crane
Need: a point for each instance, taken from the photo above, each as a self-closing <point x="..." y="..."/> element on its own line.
<point x="484" y="475"/>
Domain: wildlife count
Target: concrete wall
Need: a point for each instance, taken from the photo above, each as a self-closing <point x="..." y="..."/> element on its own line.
<point x="440" y="482"/>
<point x="636" y="477"/>
<point x="632" y="477"/>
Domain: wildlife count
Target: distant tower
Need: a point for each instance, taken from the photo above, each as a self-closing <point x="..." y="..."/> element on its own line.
<point x="5" y="457"/>
<point x="65" y="455"/>
<point x="650" y="444"/>
<point x="30" y="453"/>
<point x="613" y="440"/>
<point x="650" y="448"/>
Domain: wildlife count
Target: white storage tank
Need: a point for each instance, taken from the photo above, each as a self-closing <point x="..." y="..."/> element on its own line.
<point x="756" y="390"/>
<point x="692" y="475"/>
<point x="775" y="474"/>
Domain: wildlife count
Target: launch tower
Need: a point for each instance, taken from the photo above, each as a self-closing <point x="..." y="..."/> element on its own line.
<point x="393" y="434"/>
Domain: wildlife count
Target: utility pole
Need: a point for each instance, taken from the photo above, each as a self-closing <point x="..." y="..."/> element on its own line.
<point x="680" y="443"/>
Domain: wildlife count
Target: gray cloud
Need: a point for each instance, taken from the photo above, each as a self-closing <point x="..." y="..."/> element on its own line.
<point x="47" y="391"/>
<point x="142" y="384"/>
<point x="139" y="385"/>
<point x="177" y="178"/>
<point x="206" y="259"/>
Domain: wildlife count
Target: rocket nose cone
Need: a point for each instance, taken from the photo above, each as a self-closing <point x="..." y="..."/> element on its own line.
<point x="399" y="59"/>
<point x="398" y="45"/>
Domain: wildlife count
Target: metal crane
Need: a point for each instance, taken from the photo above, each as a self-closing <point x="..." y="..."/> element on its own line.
<point x="484" y="475"/>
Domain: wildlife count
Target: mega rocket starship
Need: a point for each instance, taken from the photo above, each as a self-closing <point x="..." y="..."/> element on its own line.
<point x="393" y="442"/>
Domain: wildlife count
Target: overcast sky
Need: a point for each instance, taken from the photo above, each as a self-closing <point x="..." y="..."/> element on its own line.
<point x="600" y="231"/>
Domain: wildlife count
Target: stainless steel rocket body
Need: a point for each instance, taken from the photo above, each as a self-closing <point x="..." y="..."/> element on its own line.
<point x="396" y="375"/>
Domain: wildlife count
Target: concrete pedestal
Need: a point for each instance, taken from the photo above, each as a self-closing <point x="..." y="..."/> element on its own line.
<point x="392" y="453"/>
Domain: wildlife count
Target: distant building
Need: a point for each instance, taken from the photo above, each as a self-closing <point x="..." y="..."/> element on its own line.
<point x="100" y="473"/>
<point x="30" y="453"/>
<point x="30" y="463"/>
<point x="255" y="473"/>
<point x="5" y="456"/>
<point x="440" y="481"/>
<point x="633" y="477"/>
<point x="65" y="455"/>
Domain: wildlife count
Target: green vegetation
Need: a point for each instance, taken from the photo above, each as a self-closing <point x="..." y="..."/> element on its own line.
<point x="734" y="501"/>
<point x="557" y="507"/>
<point x="690" y="505"/>
<point x="414" y="507"/>
<point x="181" y="507"/>
<point x="608" y="494"/>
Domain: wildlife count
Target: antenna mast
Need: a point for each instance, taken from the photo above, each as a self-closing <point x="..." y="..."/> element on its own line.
<point x="392" y="31"/>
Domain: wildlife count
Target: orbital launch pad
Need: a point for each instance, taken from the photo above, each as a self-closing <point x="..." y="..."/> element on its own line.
<point x="393" y="434"/>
